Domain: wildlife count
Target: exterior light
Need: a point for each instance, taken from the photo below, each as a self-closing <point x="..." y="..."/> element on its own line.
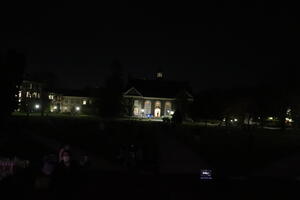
<point x="77" y="108"/>
<point x="37" y="106"/>
<point x="84" y="102"/>
<point x="235" y="120"/>
<point x="142" y="110"/>
<point x="172" y="112"/>
<point x="55" y="107"/>
<point x="270" y="118"/>
<point x="231" y="120"/>
<point x="224" y="120"/>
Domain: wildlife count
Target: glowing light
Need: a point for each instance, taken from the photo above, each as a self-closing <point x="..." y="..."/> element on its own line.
<point x="235" y="120"/>
<point x="37" y="106"/>
<point x="55" y="107"/>
<point x="224" y="120"/>
<point x="142" y="110"/>
<point x="172" y="112"/>
<point x="270" y="118"/>
<point x="84" y="102"/>
<point x="77" y="108"/>
<point x="288" y="120"/>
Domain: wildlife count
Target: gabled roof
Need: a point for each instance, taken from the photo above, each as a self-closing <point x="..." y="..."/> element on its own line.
<point x="157" y="88"/>
<point x="132" y="92"/>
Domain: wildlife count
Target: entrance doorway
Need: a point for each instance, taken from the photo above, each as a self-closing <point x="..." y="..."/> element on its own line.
<point x="157" y="112"/>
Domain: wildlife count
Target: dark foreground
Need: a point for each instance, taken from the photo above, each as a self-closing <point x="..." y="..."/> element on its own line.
<point x="98" y="185"/>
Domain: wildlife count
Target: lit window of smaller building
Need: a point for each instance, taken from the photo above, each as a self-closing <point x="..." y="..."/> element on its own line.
<point x="51" y="97"/>
<point x="20" y="94"/>
<point x="84" y="102"/>
<point x="28" y="94"/>
<point x="159" y="75"/>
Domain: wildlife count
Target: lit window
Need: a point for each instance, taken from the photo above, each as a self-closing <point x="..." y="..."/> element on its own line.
<point x="136" y="102"/>
<point x="135" y="111"/>
<point x="159" y="75"/>
<point x="51" y="97"/>
<point x="20" y="94"/>
<point x="28" y="94"/>
<point x="84" y="102"/>
<point x="147" y="107"/>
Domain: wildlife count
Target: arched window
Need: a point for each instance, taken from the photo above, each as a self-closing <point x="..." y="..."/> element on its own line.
<point x="168" y="108"/>
<point x="147" y="107"/>
<point x="157" y="104"/>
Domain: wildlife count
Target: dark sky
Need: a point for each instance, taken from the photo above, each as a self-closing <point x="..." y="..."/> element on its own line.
<point x="217" y="44"/>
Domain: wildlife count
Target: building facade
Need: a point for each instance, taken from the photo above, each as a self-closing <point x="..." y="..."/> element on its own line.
<point x="155" y="98"/>
<point x="29" y="96"/>
<point x="69" y="104"/>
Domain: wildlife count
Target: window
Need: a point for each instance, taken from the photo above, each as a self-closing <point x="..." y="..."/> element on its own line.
<point x="51" y="96"/>
<point x="168" y="108"/>
<point x="28" y="95"/>
<point x="136" y="111"/>
<point x="147" y="107"/>
<point x="136" y="103"/>
<point x="84" y="102"/>
<point x="157" y="104"/>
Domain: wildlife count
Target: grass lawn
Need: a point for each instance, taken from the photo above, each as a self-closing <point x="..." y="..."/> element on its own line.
<point x="227" y="150"/>
<point x="86" y="133"/>
<point x="230" y="151"/>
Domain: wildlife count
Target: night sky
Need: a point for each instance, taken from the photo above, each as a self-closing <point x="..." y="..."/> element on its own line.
<point x="217" y="44"/>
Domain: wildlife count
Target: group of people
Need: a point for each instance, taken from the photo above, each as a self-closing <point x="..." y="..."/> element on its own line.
<point x="61" y="172"/>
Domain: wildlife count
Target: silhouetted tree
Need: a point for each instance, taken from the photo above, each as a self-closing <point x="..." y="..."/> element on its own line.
<point x="183" y="104"/>
<point x="112" y="103"/>
<point x="12" y="68"/>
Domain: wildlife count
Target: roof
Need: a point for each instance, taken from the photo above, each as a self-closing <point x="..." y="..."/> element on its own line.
<point x="157" y="88"/>
<point x="73" y="93"/>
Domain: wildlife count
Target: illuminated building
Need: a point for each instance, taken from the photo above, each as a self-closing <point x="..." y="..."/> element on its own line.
<point x="156" y="97"/>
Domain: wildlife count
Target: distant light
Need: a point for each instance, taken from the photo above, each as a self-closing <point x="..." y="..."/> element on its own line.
<point x="235" y="120"/>
<point x="84" y="102"/>
<point x="37" y="106"/>
<point x="55" y="107"/>
<point x="288" y="120"/>
<point x="224" y="120"/>
<point x="142" y="110"/>
<point x="172" y="112"/>
<point x="77" y="108"/>
<point x="270" y="118"/>
<point x="231" y="120"/>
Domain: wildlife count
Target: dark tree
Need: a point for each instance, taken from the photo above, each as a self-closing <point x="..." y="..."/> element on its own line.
<point x="112" y="102"/>
<point x="12" y="68"/>
<point x="183" y="104"/>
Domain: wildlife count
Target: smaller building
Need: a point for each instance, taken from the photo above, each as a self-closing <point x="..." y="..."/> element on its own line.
<point x="68" y="101"/>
